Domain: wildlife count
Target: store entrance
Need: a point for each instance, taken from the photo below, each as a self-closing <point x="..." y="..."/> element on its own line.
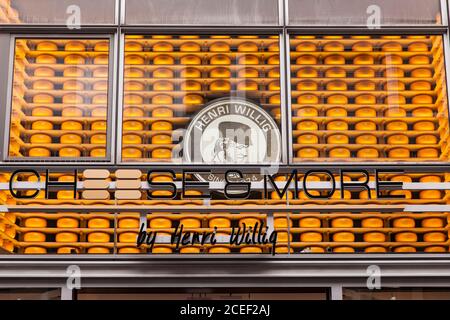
<point x="202" y="294"/>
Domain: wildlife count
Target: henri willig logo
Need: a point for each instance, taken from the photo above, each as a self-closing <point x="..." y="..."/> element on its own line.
<point x="232" y="131"/>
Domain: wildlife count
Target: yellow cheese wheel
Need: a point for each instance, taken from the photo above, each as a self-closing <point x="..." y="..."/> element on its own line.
<point x="161" y="126"/>
<point x="71" y="112"/>
<point x="335" y="72"/>
<point x="35" y="222"/>
<point x="343" y="237"/>
<point x="374" y="237"/>
<point x="309" y="222"/>
<point x="220" y="59"/>
<point x="422" y="73"/>
<point x="66" y="237"/>
<point x="306" y="59"/>
<point x="310" y="237"/>
<point x="46" y="59"/>
<point x="41" y="112"/>
<point x="366" y="112"/>
<point x="74" y="46"/>
<point x="70" y="138"/>
<point x="364" y="72"/>
<point x="308" y="153"/>
<point x="41" y="125"/>
<point x="33" y="236"/>
<point x="395" y="112"/>
<point x="397" y="126"/>
<point x="399" y="153"/>
<point x="339" y="153"/>
<point x="35" y="250"/>
<point x="74" y="59"/>
<point x="338" y="139"/>
<point x="189" y="72"/>
<point x="101" y="46"/>
<point x="162" y="47"/>
<point x="131" y="153"/>
<point x="365" y="126"/>
<point x="162" y="153"/>
<point x="335" y="59"/>
<point x="398" y="139"/>
<point x="134" y="73"/>
<point x="69" y="152"/>
<point x="306" y="47"/>
<point x="131" y="139"/>
<point x="46" y="46"/>
<point x="98" y="250"/>
<point x="424" y="126"/>
<point x="67" y="222"/>
<point x="342" y="222"/>
<point x="419" y="59"/>
<point x="161" y="139"/>
<point x="426" y="139"/>
<point x="219" y="47"/>
<point x="307" y="125"/>
<point x="307" y="73"/>
<point x="367" y="153"/>
<point x="44" y="72"/>
<point x="129" y="112"/>
<point x="226" y="73"/>
<point x="372" y="223"/>
<point x="190" y="59"/>
<point x="363" y="59"/>
<point x="428" y="153"/>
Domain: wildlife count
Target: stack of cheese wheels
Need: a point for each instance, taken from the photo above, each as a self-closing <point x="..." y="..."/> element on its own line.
<point x="128" y="224"/>
<point x="349" y="79"/>
<point x="60" y="105"/>
<point x="168" y="79"/>
<point x="100" y="234"/>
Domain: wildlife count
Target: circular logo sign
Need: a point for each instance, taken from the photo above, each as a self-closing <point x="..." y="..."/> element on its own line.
<point x="232" y="131"/>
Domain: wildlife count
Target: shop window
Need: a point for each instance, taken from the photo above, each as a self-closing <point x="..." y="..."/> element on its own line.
<point x="202" y="12"/>
<point x="369" y="98"/>
<point x="371" y="13"/>
<point x="59" y="106"/>
<point x="177" y="88"/>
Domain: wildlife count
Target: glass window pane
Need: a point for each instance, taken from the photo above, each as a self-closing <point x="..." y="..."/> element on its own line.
<point x="60" y="99"/>
<point x="60" y="12"/>
<point x="30" y="294"/>
<point x="369" y="98"/>
<point x="364" y="12"/>
<point x="172" y="99"/>
<point x="202" y="12"/>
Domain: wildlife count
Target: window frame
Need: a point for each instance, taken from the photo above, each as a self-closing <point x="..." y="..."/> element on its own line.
<point x="111" y="114"/>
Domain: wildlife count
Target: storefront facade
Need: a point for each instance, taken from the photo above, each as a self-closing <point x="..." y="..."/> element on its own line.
<point x="321" y="127"/>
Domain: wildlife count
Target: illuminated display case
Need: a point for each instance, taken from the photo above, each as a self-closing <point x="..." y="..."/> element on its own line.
<point x="169" y="79"/>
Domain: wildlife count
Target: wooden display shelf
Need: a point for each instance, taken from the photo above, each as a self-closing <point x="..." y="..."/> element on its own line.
<point x="147" y="94"/>
<point x="62" y="54"/>
<point x="297" y="244"/>
<point x="201" y="54"/>
<point x="354" y="159"/>
<point x="377" y="80"/>
<point x="375" y="42"/>
<point x="353" y="54"/>
<point x="204" y="67"/>
<point x="146" y="120"/>
<point x="352" y="120"/>
<point x="232" y="41"/>
<point x="353" y="107"/>
<point x="353" y="67"/>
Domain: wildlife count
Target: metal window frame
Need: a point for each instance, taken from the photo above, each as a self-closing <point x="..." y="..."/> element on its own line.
<point x="280" y="14"/>
<point x="202" y="31"/>
<point x="111" y="115"/>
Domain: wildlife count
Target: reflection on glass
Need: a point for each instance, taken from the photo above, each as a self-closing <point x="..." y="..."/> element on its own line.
<point x="202" y="12"/>
<point x="170" y="79"/>
<point x="368" y="98"/>
<point x="60" y="99"/>
<point x="30" y="294"/>
<point x="364" y="12"/>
